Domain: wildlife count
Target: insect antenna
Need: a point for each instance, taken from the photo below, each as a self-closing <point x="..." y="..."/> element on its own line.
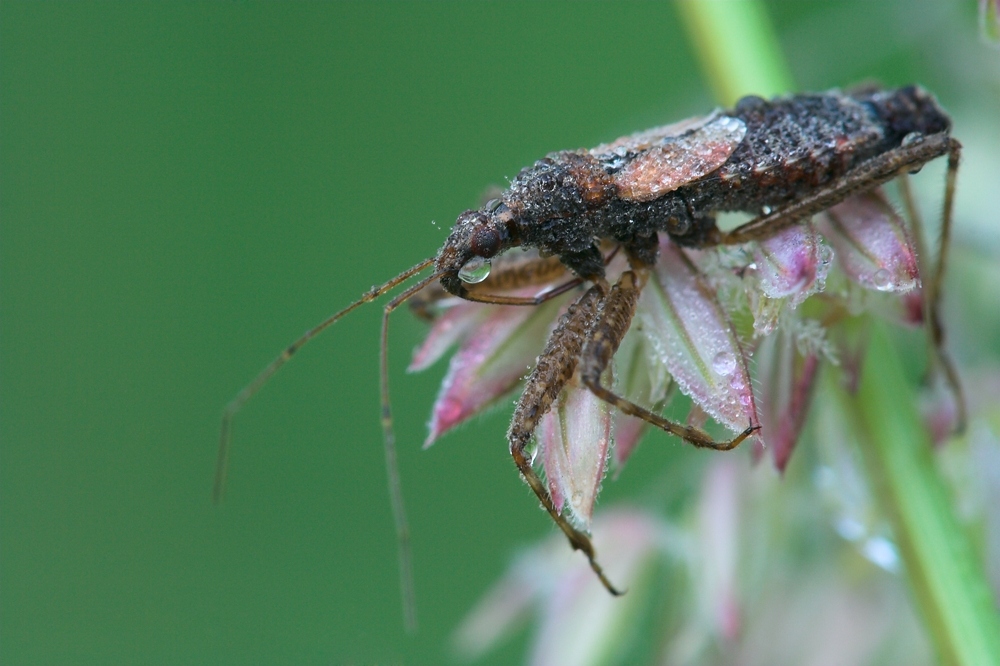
<point x="253" y="387"/>
<point x="391" y="466"/>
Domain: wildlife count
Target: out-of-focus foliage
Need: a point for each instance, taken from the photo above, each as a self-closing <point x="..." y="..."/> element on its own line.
<point x="186" y="187"/>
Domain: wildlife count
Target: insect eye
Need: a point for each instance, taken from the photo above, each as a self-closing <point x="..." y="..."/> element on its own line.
<point x="485" y="242"/>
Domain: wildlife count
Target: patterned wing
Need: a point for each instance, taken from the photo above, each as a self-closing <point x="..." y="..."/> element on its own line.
<point x="634" y="143"/>
<point x="671" y="156"/>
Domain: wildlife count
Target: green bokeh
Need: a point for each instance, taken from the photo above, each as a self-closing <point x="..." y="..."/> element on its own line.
<point x="186" y="187"/>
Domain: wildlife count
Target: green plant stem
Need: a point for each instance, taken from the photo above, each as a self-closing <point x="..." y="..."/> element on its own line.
<point x="740" y="54"/>
<point x="946" y="578"/>
<point x="737" y="47"/>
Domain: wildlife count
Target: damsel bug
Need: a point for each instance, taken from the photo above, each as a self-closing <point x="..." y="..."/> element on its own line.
<point x="783" y="160"/>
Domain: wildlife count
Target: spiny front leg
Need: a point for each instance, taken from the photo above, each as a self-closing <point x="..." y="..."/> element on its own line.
<point x="605" y="337"/>
<point x="555" y="367"/>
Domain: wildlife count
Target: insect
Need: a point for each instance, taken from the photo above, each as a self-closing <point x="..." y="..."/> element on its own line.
<point x="782" y="160"/>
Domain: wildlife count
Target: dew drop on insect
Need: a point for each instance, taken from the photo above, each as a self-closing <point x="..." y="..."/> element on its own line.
<point x="724" y="363"/>
<point x="475" y="270"/>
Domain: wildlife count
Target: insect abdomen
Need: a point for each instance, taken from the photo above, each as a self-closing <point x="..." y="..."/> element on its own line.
<point x="799" y="142"/>
<point x="796" y="144"/>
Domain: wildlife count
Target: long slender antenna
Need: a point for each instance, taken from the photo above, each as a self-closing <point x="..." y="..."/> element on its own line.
<point x="392" y="468"/>
<point x="250" y="389"/>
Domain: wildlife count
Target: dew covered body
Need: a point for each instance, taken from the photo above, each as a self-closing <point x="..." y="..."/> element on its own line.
<point x="673" y="179"/>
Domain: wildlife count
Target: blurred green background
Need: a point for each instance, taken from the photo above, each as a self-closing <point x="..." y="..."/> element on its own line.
<point x="185" y="187"/>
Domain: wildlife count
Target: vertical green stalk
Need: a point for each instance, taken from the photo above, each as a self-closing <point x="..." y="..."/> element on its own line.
<point x="737" y="47"/>
<point x="945" y="576"/>
<point x="739" y="51"/>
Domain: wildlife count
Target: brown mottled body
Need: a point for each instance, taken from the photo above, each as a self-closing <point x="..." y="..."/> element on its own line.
<point x="760" y="156"/>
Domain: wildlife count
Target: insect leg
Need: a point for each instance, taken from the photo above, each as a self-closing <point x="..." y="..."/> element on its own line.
<point x="391" y="466"/>
<point x="932" y="286"/>
<point x="606" y="336"/>
<point x="555" y="367"/>
<point x="500" y="299"/>
<point x="864" y="177"/>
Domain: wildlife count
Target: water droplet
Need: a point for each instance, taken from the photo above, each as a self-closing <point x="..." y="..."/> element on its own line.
<point x="724" y="363"/>
<point x="882" y="552"/>
<point x="475" y="270"/>
<point x="882" y="279"/>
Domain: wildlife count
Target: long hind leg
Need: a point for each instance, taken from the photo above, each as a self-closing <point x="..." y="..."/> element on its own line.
<point x="937" y="280"/>
<point x="934" y="281"/>
<point x="606" y="336"/>
<point x="555" y="367"/>
<point x="862" y="178"/>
